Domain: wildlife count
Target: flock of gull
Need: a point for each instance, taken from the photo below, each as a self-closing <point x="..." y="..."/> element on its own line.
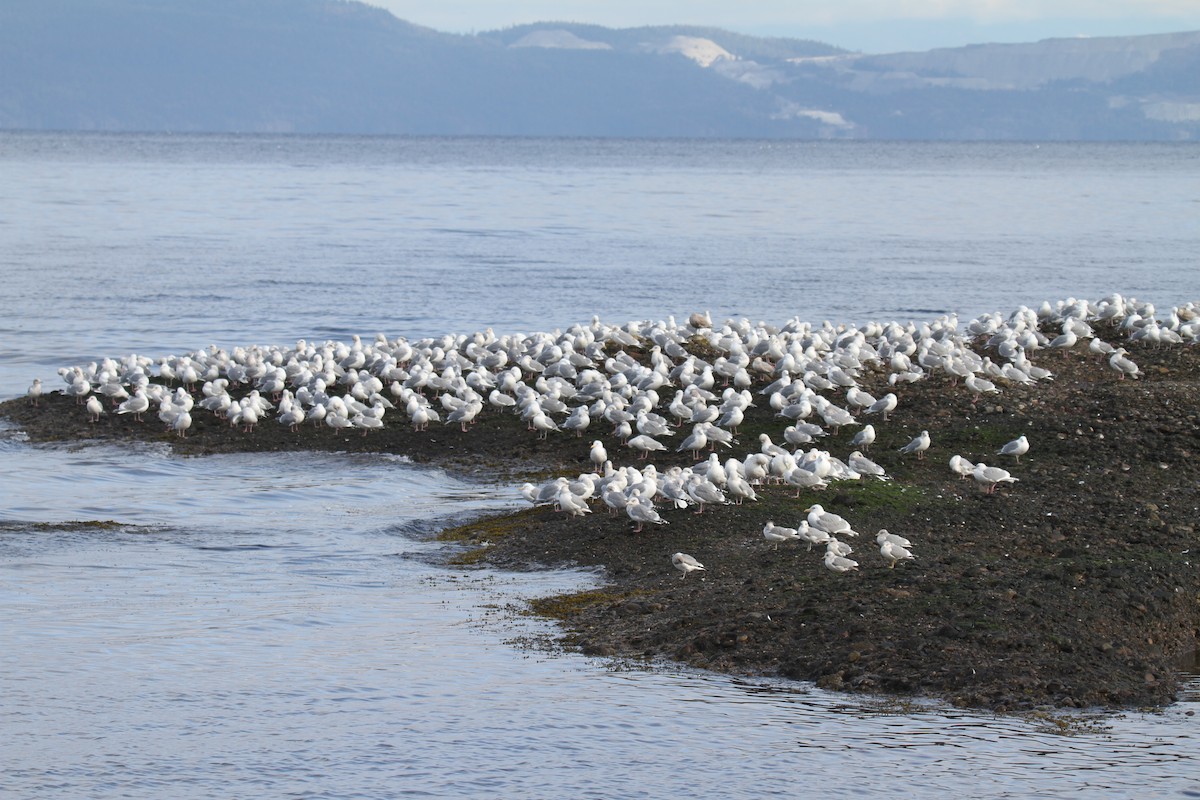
<point x="688" y="392"/>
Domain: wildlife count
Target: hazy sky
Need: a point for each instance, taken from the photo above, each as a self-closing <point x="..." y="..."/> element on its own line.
<point x="868" y="25"/>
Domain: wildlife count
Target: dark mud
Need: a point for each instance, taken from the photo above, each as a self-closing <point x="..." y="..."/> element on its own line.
<point x="1077" y="586"/>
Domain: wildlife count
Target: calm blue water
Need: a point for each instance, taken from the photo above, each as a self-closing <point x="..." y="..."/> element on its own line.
<point x="266" y="627"/>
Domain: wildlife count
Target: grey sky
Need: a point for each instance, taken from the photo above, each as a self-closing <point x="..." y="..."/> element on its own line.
<point x="868" y="25"/>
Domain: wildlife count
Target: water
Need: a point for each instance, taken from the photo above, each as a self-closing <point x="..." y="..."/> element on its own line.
<point x="250" y="625"/>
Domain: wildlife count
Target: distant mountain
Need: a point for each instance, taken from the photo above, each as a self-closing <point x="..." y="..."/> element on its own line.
<point x="344" y="67"/>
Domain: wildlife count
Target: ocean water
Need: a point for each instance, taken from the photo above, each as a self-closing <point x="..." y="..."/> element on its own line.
<point x="245" y="625"/>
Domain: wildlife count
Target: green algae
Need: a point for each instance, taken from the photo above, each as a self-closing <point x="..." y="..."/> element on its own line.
<point x="567" y="606"/>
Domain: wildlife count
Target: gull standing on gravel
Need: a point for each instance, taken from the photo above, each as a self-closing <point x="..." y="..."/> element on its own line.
<point x="865" y="466"/>
<point x="836" y="563"/>
<point x="696" y="442"/>
<point x="885" y="536"/>
<point x="979" y="386"/>
<point x="884" y="405"/>
<point x="893" y="552"/>
<point x="823" y="520"/>
<point x="776" y="533"/>
<point x="181" y="422"/>
<point x="991" y="477"/>
<point x="135" y="405"/>
<point x="1064" y="342"/>
<point x="685" y="563"/>
<point x="1121" y="364"/>
<point x="961" y="467"/>
<point x="94" y="408"/>
<point x="808" y="533"/>
<point x="644" y="444"/>
<point x="803" y="478"/>
<point x="642" y="512"/>
<point x="598" y="454"/>
<point x="1017" y="447"/>
<point x="918" y="445"/>
<point x="864" y="438"/>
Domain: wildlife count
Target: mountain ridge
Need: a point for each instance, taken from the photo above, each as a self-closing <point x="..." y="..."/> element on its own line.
<point x="340" y="66"/>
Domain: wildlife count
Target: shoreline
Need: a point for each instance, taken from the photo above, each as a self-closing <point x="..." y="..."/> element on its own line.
<point x="1073" y="587"/>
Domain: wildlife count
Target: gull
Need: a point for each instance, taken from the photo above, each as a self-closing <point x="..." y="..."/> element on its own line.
<point x="756" y="468"/>
<point x="836" y="416"/>
<point x="991" y="477"/>
<point x="598" y="454"/>
<point x="836" y="563"/>
<point x="1063" y="342"/>
<point x="790" y="406"/>
<point x="615" y="499"/>
<point x="979" y="386"/>
<point x="80" y="388"/>
<point x="292" y="417"/>
<point x="737" y="487"/>
<point x="905" y="377"/>
<point x="696" y="442"/>
<point x="1100" y="347"/>
<point x="366" y="422"/>
<point x="767" y="447"/>
<point x="812" y="535"/>
<point x="1017" y="447"/>
<point x="858" y="398"/>
<point x="248" y="416"/>
<point x="716" y="435"/>
<point x="918" y="445"/>
<point x="645" y="444"/>
<point x="135" y="405"/>
<point x="94" y="408"/>
<point x="167" y="412"/>
<point x="794" y="436"/>
<point x="838" y="547"/>
<point x="715" y="472"/>
<point x="333" y="419"/>
<point x="1121" y="364"/>
<point x="961" y="467"/>
<point x="652" y="425"/>
<point x="803" y="478"/>
<point x="114" y="391"/>
<point x="421" y="415"/>
<point x="567" y="502"/>
<point x="884" y="405"/>
<point x="732" y="418"/>
<point x="547" y="493"/>
<point x="1016" y="374"/>
<point x="865" y="466"/>
<point x="705" y="493"/>
<point x="776" y="533"/>
<point x="884" y="536"/>
<point x="832" y="524"/>
<point x="578" y="421"/>
<point x="864" y="438"/>
<point x="543" y="424"/>
<point x="685" y="563"/>
<point x="34" y="393"/>
<point x="316" y="413"/>
<point x="181" y="423"/>
<point x="893" y="552"/>
<point x="501" y="400"/>
<point x="673" y="490"/>
<point x="641" y="512"/>
<point x="464" y="415"/>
